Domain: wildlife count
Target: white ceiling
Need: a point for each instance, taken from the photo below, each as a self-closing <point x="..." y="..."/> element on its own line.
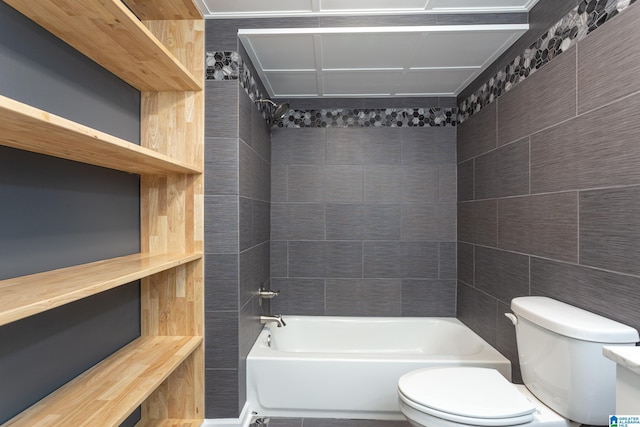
<point x="402" y="61"/>
<point x="262" y="8"/>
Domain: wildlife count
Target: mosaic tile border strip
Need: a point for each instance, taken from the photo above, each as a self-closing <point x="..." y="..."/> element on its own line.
<point x="229" y="66"/>
<point x="588" y="16"/>
<point x="389" y="117"/>
<point x="225" y="65"/>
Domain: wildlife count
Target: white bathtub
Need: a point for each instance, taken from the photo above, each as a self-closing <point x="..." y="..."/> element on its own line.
<point x="348" y="367"/>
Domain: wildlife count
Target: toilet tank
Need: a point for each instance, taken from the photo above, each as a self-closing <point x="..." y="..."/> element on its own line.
<point x="560" y="353"/>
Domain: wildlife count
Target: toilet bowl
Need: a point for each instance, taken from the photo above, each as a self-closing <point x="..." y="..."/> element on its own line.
<point x="466" y="396"/>
<point x="560" y="354"/>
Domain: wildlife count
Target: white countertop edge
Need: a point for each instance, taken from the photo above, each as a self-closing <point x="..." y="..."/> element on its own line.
<point x="627" y="356"/>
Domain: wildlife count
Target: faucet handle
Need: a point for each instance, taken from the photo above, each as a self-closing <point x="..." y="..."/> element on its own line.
<point x="266" y="294"/>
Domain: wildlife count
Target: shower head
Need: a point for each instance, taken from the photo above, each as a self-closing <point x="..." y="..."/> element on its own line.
<point x="280" y="109"/>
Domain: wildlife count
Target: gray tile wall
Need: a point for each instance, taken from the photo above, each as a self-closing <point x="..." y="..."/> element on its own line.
<point x="237" y="233"/>
<point x="549" y="194"/>
<point x="363" y="221"/>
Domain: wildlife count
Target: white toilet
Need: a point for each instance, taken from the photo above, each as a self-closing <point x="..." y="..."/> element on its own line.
<point x="567" y="379"/>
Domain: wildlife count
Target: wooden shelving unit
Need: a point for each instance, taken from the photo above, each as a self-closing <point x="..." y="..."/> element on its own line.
<point x="28" y="295"/>
<point x="157" y="47"/>
<point x="29" y="128"/>
<point x="113" y="388"/>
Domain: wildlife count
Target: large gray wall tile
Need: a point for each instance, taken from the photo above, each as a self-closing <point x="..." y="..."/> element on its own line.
<point x="279" y="259"/>
<point x="503" y="275"/>
<point x="333" y="184"/>
<point x="297" y="221"/>
<point x="448" y="260"/>
<point x="221" y="224"/>
<point x="221" y="393"/>
<point x="363" y="222"/>
<point x="427" y="146"/>
<point x="221" y="281"/>
<point x="545" y="225"/>
<point x="279" y="183"/>
<point x="221" y="348"/>
<point x="221" y="116"/>
<point x="420" y="183"/>
<point x="478" y="222"/>
<point x="363" y="297"/>
<point x="606" y="293"/>
<point x="251" y="173"/>
<point x="478" y="134"/>
<point x="428" y="298"/>
<point x="383" y="183"/>
<point x="261" y="222"/>
<point x="465" y="263"/>
<point x="359" y="146"/>
<point x="607" y="59"/>
<point x="298" y="146"/>
<point x="448" y="183"/>
<point x="609" y="232"/>
<point x="319" y="259"/>
<point x="478" y="311"/>
<point x="246" y="223"/>
<point x="432" y="221"/>
<point x="503" y="172"/>
<point x="589" y="151"/>
<point x="303" y="297"/>
<point x="550" y="96"/>
<point x="465" y="180"/>
<point x="401" y="259"/>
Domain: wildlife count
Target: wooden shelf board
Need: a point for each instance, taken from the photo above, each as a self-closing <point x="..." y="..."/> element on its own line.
<point x="28" y="295"/>
<point x="170" y="423"/>
<point x="29" y="128"/>
<point x="110" y="34"/>
<point x="108" y="392"/>
<point x="160" y="10"/>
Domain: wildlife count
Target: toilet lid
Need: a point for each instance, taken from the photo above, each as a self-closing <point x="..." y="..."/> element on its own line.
<point x="466" y="392"/>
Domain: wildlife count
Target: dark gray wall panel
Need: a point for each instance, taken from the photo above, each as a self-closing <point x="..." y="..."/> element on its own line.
<point x="363" y="297"/>
<point x="40" y="353"/>
<point x="478" y="134"/>
<point x="478" y="311"/>
<point x="428" y="298"/>
<point x="599" y="82"/>
<point x="41" y="70"/>
<point x="606" y="293"/>
<point x="503" y="275"/>
<point x="545" y="225"/>
<point x="466" y="181"/>
<point x="550" y="95"/>
<point x="589" y="151"/>
<point x="609" y="232"/>
<point x="465" y="263"/>
<point x="298" y="296"/>
<point x="56" y="213"/>
<point x="503" y="172"/>
<point x="478" y="222"/>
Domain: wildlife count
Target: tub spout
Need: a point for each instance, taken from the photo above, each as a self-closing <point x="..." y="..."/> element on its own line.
<point x="275" y="318"/>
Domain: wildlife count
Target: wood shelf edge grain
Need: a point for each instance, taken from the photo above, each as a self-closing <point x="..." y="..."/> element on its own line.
<point x="171" y="423"/>
<point x="26" y="296"/>
<point x="164" y="9"/>
<point x="110" y="34"/>
<point x="108" y="392"/>
<point x="31" y="129"/>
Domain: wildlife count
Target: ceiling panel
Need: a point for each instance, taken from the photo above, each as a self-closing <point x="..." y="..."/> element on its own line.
<point x="445" y="82"/>
<point x="369" y="83"/>
<point x="374" y="61"/>
<point x="370" y="50"/>
<point x="292" y="83"/>
<point x="460" y="49"/>
<point x="263" y="8"/>
<point x="480" y="5"/>
<point x="351" y="5"/>
<point x="293" y="51"/>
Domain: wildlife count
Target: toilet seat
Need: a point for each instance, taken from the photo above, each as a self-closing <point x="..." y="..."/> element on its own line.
<point x="466" y="395"/>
